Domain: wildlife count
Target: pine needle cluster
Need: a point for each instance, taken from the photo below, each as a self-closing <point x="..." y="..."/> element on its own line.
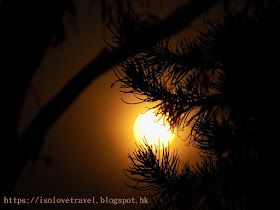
<point x="212" y="84"/>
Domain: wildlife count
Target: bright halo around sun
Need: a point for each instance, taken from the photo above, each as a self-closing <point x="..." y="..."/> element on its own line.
<point x="154" y="130"/>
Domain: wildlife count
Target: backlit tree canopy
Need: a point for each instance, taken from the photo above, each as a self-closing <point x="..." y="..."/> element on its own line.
<point x="214" y="84"/>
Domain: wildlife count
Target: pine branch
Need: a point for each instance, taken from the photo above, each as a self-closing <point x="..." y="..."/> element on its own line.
<point x="233" y="172"/>
<point x="206" y="75"/>
<point x="32" y="138"/>
<point x="155" y="172"/>
<point x="213" y="183"/>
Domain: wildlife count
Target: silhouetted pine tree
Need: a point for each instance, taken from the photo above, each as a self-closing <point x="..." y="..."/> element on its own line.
<point x="217" y="84"/>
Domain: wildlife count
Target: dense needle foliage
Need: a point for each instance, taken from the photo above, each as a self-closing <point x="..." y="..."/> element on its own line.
<point x="214" y="85"/>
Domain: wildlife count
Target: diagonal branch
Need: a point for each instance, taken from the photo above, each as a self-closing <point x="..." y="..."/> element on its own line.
<point x="32" y="138"/>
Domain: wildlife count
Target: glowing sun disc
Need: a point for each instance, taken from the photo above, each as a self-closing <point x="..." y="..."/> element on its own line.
<point x="148" y="126"/>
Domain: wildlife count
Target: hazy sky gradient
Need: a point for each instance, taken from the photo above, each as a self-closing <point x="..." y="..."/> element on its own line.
<point x="90" y="142"/>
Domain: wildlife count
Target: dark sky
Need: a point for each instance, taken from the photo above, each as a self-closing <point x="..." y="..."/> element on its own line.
<point x="89" y="144"/>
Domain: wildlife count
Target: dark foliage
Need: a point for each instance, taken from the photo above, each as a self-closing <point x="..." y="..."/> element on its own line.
<point x="215" y="183"/>
<point x="215" y="84"/>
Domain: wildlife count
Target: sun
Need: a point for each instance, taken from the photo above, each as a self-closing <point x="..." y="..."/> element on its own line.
<point x="153" y="129"/>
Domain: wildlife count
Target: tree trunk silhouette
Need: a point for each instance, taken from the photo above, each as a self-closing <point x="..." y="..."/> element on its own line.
<point x="26" y="34"/>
